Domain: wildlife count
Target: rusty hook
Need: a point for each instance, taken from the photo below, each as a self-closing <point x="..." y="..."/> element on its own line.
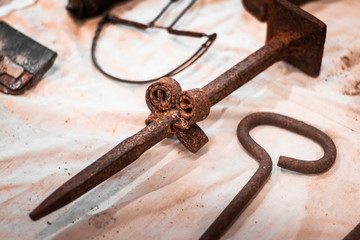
<point x="252" y="187"/>
<point x="309" y="167"/>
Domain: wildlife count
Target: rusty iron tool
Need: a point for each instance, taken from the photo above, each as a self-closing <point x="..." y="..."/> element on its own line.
<point x="210" y="38"/>
<point x="293" y="35"/>
<point x="354" y="234"/>
<point x="23" y="61"/>
<point x="258" y="8"/>
<point x="257" y="181"/>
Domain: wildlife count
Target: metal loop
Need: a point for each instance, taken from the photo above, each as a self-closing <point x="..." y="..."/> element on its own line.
<point x="309" y="167"/>
<point x="161" y="95"/>
<point x="194" y="105"/>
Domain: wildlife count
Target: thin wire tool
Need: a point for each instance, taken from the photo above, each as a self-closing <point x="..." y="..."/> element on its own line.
<point x="108" y="18"/>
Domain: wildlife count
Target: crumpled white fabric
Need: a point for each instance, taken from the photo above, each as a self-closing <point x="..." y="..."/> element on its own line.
<point x="7" y="6"/>
<point x="75" y="115"/>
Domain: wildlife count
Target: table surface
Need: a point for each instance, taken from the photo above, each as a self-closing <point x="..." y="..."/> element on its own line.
<point x="75" y="114"/>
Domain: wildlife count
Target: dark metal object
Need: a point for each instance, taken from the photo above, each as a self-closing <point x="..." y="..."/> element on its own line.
<point x="293" y="35"/>
<point x="23" y="61"/>
<point x="257" y="181"/>
<point x="89" y="8"/>
<point x="170" y="29"/>
<point x="258" y="8"/>
<point x="354" y="234"/>
<point x="109" y="164"/>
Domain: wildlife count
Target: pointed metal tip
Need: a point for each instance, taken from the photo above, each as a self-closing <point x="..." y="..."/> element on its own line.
<point x="106" y="166"/>
<point x="59" y="198"/>
<point x="34" y="215"/>
<point x="43" y="209"/>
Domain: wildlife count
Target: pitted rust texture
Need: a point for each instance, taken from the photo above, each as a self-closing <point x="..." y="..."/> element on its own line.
<point x="258" y="8"/>
<point x="166" y="94"/>
<point x="252" y="187"/>
<point x="299" y="40"/>
<point x="249" y="191"/>
<point x="293" y="35"/>
<point x="305" y="35"/>
<point x="308" y="167"/>
<point x="161" y="98"/>
<point x="193" y="138"/>
<point x="354" y="234"/>
<point x="118" y="158"/>
<point x="244" y="71"/>
<point x="192" y="105"/>
<point x="162" y="95"/>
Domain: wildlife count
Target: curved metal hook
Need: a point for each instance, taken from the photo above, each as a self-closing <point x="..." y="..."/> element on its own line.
<point x="252" y="187"/>
<point x="309" y="167"/>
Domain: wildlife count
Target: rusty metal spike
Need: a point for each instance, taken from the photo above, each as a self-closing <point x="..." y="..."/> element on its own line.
<point x="116" y="159"/>
<point x="293" y="35"/>
<point x="257" y="181"/>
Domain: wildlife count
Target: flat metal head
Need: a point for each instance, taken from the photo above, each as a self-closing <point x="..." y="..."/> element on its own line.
<point x="304" y="33"/>
<point x="258" y="8"/>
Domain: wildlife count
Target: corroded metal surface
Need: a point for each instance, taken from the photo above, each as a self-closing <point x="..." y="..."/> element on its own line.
<point x="162" y="95"/>
<point x="258" y="8"/>
<point x="354" y="234"/>
<point x="252" y="187"/>
<point x="23" y="61"/>
<point x="192" y="105"/>
<point x="118" y="158"/>
<point x="299" y="40"/>
<point x="308" y="167"/>
<point x="250" y="190"/>
<point x="293" y="35"/>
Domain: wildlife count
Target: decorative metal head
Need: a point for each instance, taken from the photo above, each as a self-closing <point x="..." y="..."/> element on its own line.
<point x="192" y="106"/>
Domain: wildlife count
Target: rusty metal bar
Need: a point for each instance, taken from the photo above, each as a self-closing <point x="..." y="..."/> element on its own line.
<point x="245" y="70"/>
<point x="293" y="35"/>
<point x="257" y="181"/>
<point x="117" y="158"/>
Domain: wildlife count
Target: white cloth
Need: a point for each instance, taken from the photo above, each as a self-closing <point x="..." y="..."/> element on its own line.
<point x="7" y="6"/>
<point x="75" y="115"/>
